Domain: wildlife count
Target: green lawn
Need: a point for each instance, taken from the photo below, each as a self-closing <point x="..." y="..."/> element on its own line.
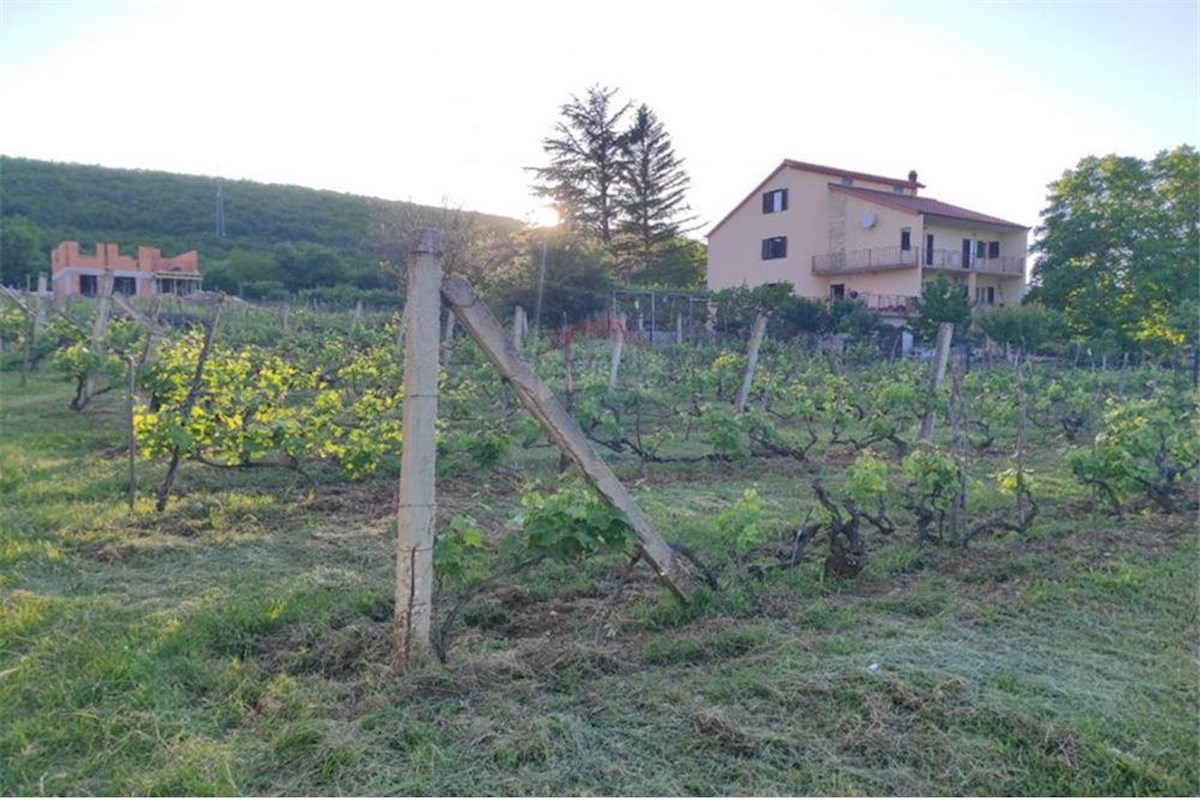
<point x="237" y="644"/>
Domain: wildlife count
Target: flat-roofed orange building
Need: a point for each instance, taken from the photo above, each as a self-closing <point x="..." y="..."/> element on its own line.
<point x="74" y="273"/>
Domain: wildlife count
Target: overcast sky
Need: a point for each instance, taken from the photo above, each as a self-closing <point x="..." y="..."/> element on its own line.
<point x="446" y="101"/>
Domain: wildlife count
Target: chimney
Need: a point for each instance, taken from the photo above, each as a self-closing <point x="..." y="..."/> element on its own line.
<point x="912" y="176"/>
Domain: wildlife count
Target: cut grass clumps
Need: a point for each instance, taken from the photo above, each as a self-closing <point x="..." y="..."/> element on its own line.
<point x="238" y="644"/>
<point x="724" y="643"/>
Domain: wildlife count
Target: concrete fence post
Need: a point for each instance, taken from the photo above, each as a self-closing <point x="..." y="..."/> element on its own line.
<point x="39" y="319"/>
<point x="937" y="371"/>
<point x="756" y="337"/>
<point x="417" y="507"/>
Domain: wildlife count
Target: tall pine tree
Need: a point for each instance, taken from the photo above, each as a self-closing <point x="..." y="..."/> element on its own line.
<point x="651" y="195"/>
<point x="586" y="153"/>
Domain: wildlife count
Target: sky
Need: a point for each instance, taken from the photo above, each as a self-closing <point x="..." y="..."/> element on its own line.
<point x="447" y="102"/>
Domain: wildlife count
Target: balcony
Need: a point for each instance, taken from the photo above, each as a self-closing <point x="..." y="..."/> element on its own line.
<point x="875" y="259"/>
<point x="957" y="261"/>
<point x="889" y="305"/>
<point x="880" y="259"/>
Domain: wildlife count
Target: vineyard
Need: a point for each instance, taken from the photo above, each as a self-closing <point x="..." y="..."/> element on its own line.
<point x="1003" y="605"/>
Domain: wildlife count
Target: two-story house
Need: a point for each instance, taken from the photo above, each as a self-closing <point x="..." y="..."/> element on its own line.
<point x="838" y="233"/>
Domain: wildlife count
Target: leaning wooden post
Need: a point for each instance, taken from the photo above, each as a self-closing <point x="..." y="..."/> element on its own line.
<point x="937" y="371"/>
<point x="756" y="336"/>
<point x="562" y="429"/>
<point x="417" y="508"/>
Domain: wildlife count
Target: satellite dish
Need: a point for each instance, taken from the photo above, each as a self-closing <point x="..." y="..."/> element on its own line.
<point x="868" y="220"/>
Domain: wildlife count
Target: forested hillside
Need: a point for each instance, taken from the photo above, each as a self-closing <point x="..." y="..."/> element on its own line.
<point x="277" y="238"/>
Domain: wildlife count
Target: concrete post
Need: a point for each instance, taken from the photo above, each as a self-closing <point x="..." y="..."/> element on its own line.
<point x="39" y="319"/>
<point x="519" y="325"/>
<point x="617" y="326"/>
<point x="937" y="371"/>
<point x="417" y="507"/>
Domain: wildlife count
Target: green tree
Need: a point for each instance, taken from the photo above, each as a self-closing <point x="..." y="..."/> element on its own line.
<point x="1029" y="327"/>
<point x="941" y="301"/>
<point x="577" y="281"/>
<point x="651" y="196"/>
<point x="1118" y="246"/>
<point x="22" y="251"/>
<point x="680" y="265"/>
<point x="586" y="154"/>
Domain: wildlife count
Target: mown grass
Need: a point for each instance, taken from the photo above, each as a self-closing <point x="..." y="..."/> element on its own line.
<point x="237" y="644"/>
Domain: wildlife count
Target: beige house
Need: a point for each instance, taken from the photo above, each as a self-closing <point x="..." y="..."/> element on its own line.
<point x="837" y="233"/>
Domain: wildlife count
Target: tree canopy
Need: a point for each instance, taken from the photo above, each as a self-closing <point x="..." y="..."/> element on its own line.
<point x="613" y="175"/>
<point x="1119" y="246"/>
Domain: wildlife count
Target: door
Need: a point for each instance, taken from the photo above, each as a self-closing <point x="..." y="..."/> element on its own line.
<point x="929" y="249"/>
<point x="966" y="264"/>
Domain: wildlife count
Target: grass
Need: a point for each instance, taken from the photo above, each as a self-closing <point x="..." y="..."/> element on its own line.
<point x="237" y="644"/>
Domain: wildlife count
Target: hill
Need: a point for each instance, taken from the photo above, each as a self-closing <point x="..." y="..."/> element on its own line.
<point x="277" y="237"/>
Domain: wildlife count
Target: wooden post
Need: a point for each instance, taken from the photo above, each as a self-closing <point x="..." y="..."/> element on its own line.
<point x="678" y="327"/>
<point x="937" y="371"/>
<point x="756" y="336"/>
<point x="537" y="398"/>
<point x="99" y="327"/>
<point x="417" y="507"/>
<point x="617" y="326"/>
<point x="189" y="402"/>
<point x="132" y="433"/>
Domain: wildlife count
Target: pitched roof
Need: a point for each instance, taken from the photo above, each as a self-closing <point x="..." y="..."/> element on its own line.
<point x="845" y="173"/>
<point x="924" y="205"/>
<point x="805" y="166"/>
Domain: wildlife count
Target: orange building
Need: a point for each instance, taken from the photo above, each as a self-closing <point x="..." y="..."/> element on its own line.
<point x="77" y="274"/>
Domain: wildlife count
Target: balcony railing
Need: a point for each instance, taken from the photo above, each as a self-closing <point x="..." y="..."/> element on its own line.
<point x="878" y="259"/>
<point x="871" y="260"/>
<point x="955" y="260"/>
<point x="887" y="304"/>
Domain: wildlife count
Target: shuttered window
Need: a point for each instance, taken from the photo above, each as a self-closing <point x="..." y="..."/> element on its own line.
<point x="775" y="201"/>
<point x="775" y="247"/>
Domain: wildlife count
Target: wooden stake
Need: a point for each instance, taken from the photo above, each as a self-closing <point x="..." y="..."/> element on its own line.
<point x="189" y="402"/>
<point x="537" y="398"/>
<point x="417" y="507"/>
<point x="756" y="336"/>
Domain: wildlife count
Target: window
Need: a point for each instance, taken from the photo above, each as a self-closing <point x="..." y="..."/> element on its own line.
<point x="88" y="286"/>
<point x="125" y="286"/>
<point x="905" y="239"/>
<point x="837" y="291"/>
<point x="985" y="295"/>
<point x="775" y="201"/>
<point x="929" y="249"/>
<point x="981" y="249"/>
<point x="847" y="181"/>
<point x="897" y="190"/>
<point x="993" y="250"/>
<point x="775" y="247"/>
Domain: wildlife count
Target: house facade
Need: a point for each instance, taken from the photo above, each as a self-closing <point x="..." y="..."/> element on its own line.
<point x="839" y="233"/>
<point x="74" y="273"/>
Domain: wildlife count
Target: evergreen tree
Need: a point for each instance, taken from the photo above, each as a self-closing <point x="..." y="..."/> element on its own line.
<point x="586" y="153"/>
<point x="651" y="196"/>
